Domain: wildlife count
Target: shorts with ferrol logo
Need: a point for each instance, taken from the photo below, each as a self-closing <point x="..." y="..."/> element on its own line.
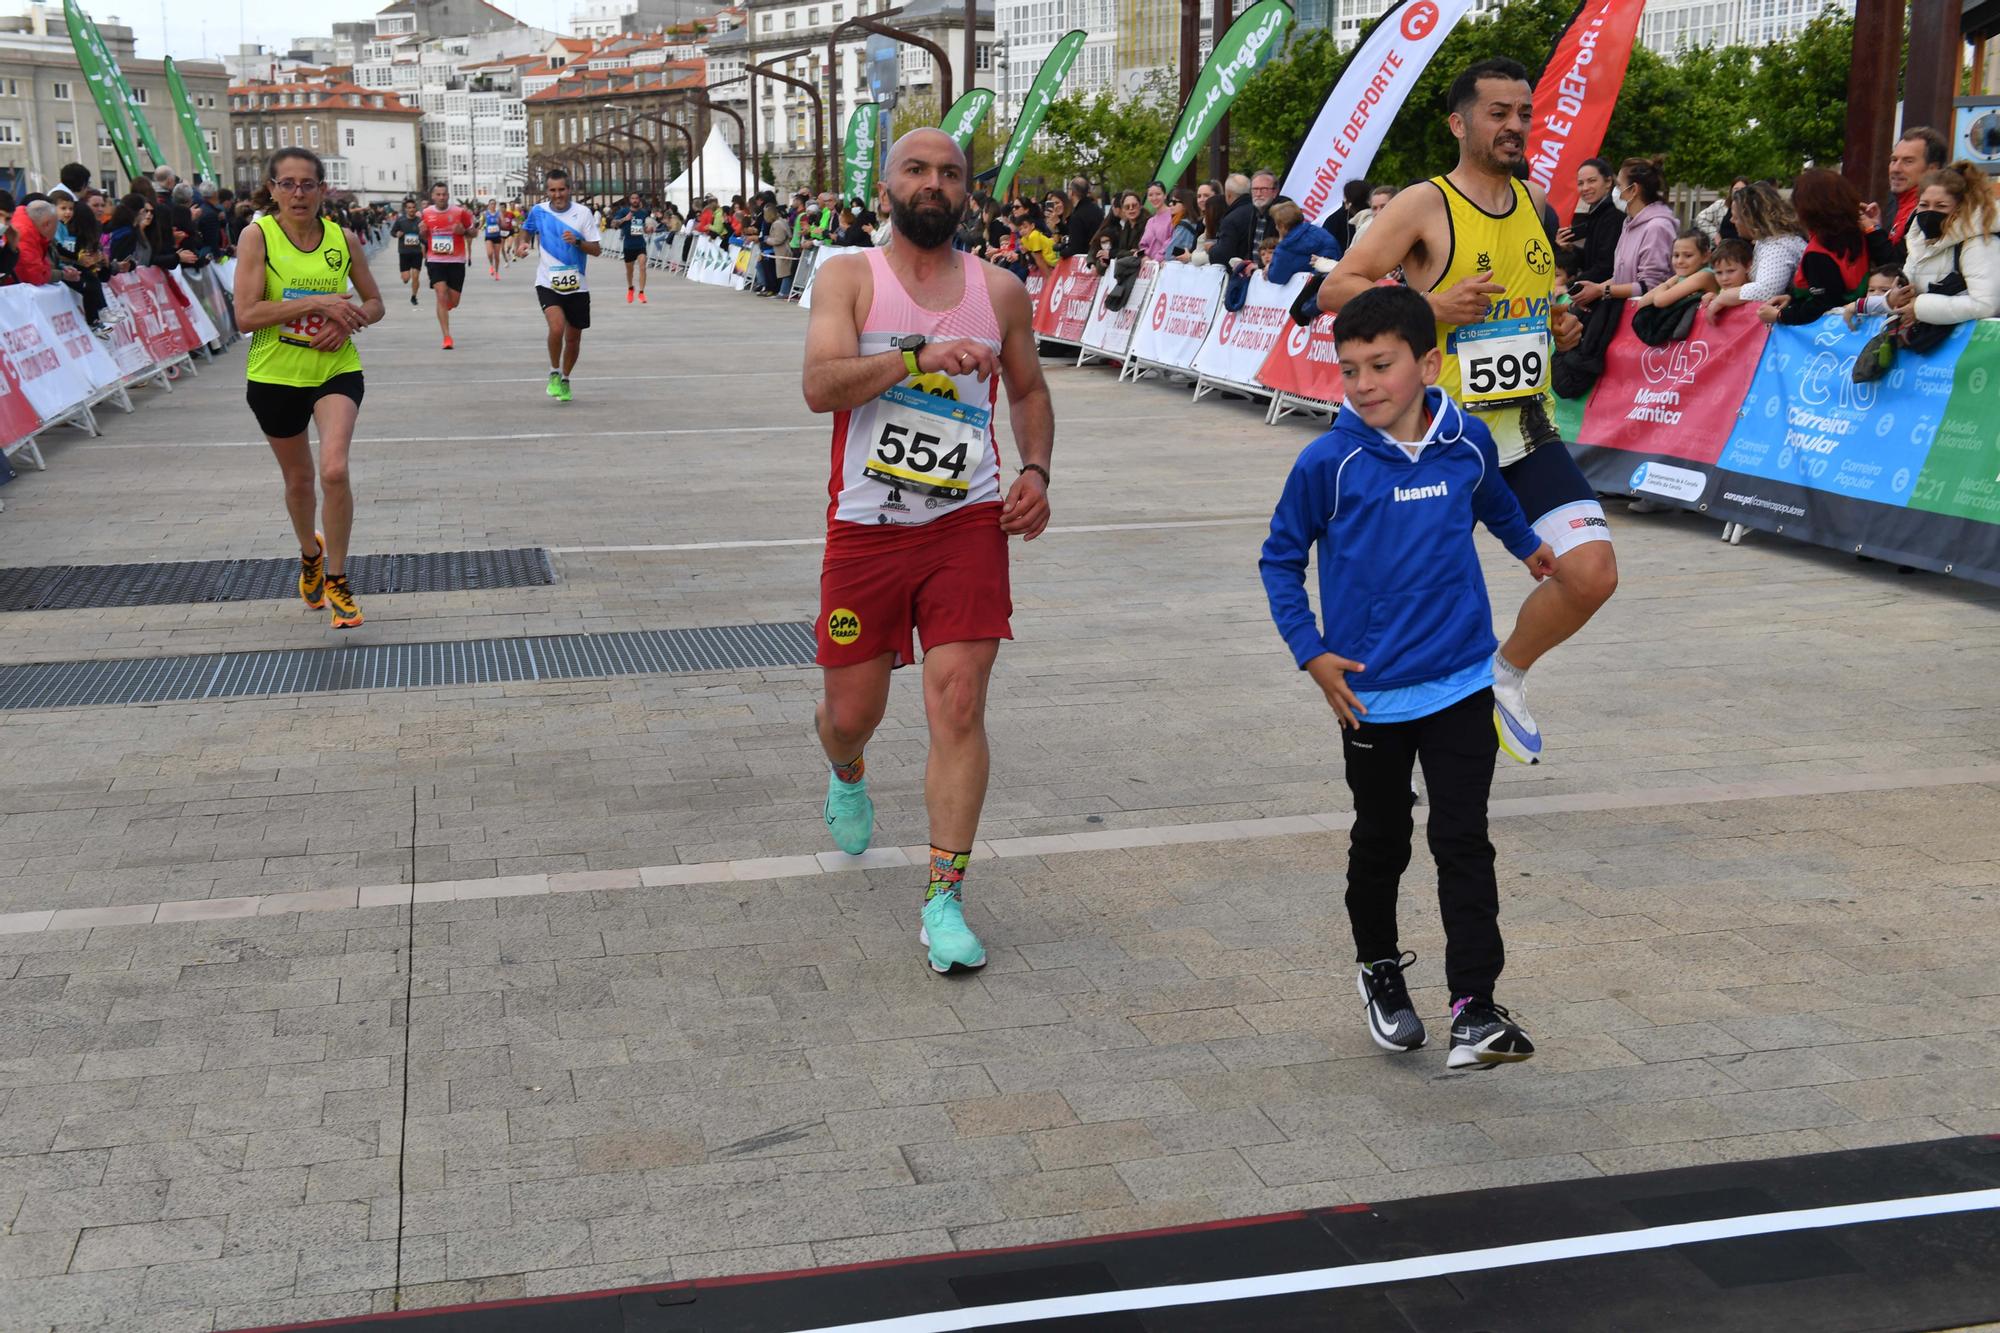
<point x="1559" y="503"/>
<point x="882" y="588"/>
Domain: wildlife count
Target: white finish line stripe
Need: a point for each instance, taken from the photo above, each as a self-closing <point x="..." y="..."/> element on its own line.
<point x="763" y="868"/>
<point x="1436" y="1265"/>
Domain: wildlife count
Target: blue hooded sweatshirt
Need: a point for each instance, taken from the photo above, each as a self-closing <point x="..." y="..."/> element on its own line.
<point x="1399" y="580"/>
<point x="1297" y="249"/>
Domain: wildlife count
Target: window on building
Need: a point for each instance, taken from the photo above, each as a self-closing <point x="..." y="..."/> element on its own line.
<point x="314" y="135"/>
<point x="791" y="18"/>
<point x="538" y="134"/>
<point x="239" y="138"/>
<point x="349" y="138"/>
<point x="284" y="136"/>
<point x="10" y="88"/>
<point x="812" y="17"/>
<point x="839" y="12"/>
<point x="103" y="135"/>
<point x="139" y="96"/>
<point x="59" y="90"/>
<point x="10" y="131"/>
<point x="65" y="134"/>
<point x="210" y="141"/>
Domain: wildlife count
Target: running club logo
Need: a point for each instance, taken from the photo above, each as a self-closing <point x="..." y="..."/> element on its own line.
<point x="1160" y="312"/>
<point x="1485" y="262"/>
<point x="1540" y="261"/>
<point x="843" y="626"/>
<point x="334" y="259"/>
<point x="1228" y="327"/>
<point x="1677" y="363"/>
<point x="1298" y="339"/>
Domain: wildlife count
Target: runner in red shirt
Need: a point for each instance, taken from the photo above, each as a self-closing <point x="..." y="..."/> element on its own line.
<point x="446" y="228"/>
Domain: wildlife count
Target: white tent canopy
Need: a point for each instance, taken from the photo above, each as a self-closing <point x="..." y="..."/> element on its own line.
<point x="722" y="175"/>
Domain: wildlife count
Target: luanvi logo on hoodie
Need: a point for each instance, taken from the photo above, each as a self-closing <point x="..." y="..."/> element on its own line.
<point x="1431" y="492"/>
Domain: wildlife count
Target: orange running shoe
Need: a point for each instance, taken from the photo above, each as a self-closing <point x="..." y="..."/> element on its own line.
<point x="346" y="611"/>
<point x="312" y="576"/>
<point x="447" y="344"/>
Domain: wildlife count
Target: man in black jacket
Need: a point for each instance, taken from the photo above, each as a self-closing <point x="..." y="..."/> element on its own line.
<point x="1086" y="215"/>
<point x="1248" y="218"/>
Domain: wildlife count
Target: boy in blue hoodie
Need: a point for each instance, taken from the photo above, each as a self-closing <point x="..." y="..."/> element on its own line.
<point x="1389" y="495"/>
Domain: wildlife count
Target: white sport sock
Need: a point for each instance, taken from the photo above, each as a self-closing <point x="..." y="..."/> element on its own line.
<point x="1511" y="674"/>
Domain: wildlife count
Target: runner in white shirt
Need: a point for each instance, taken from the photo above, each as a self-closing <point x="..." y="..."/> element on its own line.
<point x="568" y="234"/>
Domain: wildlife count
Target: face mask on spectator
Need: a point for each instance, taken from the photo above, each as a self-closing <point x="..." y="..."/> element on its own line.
<point x="1930" y="223"/>
<point x="1618" y="198"/>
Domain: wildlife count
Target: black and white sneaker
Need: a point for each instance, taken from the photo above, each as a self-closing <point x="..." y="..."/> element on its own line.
<point x="1483" y="1034"/>
<point x="1392" y="1019"/>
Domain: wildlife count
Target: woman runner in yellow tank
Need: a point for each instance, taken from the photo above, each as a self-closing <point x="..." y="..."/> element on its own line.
<point x="293" y="272"/>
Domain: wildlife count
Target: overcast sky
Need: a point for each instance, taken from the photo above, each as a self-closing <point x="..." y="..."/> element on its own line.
<point x="214" y="28"/>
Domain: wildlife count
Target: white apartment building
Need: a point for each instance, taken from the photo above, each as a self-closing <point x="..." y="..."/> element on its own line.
<point x="1033" y="27"/>
<point x="1676" y="25"/>
<point x="597" y="19"/>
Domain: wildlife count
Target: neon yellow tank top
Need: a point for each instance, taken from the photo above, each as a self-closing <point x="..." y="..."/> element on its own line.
<point x="1500" y="367"/>
<point x="283" y="353"/>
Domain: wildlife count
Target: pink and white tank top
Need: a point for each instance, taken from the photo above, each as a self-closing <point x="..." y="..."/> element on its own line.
<point x="925" y="449"/>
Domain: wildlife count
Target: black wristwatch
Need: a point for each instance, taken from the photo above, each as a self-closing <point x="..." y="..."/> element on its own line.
<point x="909" y="345"/>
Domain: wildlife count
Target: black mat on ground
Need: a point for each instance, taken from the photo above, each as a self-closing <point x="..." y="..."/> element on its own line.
<point x="181" y="582"/>
<point x="1912" y="1274"/>
<point x="399" y="666"/>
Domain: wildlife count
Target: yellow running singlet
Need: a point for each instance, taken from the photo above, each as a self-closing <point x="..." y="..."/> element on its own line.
<point x="283" y="353"/>
<point x="1500" y="367"/>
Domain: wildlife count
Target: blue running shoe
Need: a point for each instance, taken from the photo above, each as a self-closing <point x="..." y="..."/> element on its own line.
<point x="950" y="940"/>
<point x="849" y="814"/>
<point x="1520" y="738"/>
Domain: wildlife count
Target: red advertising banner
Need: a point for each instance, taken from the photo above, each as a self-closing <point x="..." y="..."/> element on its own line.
<point x="1303" y="363"/>
<point x="1062" y="307"/>
<point x="18" y="418"/>
<point x="174" y="302"/>
<point x="158" y="327"/>
<point x="1687" y="391"/>
<point x="1579" y="88"/>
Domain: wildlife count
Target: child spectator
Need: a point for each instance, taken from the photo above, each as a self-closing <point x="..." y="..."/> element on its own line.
<point x="1389" y="496"/>
<point x="1731" y="262"/>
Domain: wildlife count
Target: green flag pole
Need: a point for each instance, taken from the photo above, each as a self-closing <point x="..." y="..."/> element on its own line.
<point x="1248" y="45"/>
<point x="858" y="159"/>
<point x="91" y="61"/>
<point x="190" y="127"/>
<point x="125" y="91"/>
<point x="1055" y="68"/>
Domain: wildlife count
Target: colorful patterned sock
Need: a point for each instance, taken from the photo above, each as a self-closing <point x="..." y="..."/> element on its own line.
<point x="852" y="770"/>
<point x="947" y="872"/>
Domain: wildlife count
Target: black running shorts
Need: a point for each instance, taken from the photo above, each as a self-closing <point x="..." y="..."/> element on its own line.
<point x="452" y="275"/>
<point x="574" y="305"/>
<point x="285" y="410"/>
<point x="412" y="258"/>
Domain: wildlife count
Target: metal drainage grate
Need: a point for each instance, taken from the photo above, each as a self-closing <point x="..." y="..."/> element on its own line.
<point x="87" y="587"/>
<point x="391" y="666"/>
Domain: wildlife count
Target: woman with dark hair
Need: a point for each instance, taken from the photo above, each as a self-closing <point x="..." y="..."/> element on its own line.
<point x="1212" y="213"/>
<point x="1839" y="251"/>
<point x="1766" y="220"/>
<point x="303" y="369"/>
<point x="1120" y="234"/>
<point x="1159" y="231"/>
<point x="1645" y="254"/>
<point x="125" y="240"/>
<point x="1187" y="223"/>
<point x="1599" y="220"/>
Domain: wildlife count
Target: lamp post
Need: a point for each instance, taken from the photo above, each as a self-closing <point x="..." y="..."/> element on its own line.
<point x="875" y="25"/>
<point x="651" y="148"/>
<point x="743" y="133"/>
<point x="694" y="169"/>
<point x="819" y="140"/>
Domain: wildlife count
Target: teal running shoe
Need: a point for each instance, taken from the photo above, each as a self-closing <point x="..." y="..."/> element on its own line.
<point x="849" y="814"/>
<point x="950" y="940"/>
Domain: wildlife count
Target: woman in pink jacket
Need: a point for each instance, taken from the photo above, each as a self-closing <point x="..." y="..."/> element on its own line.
<point x="1645" y="256"/>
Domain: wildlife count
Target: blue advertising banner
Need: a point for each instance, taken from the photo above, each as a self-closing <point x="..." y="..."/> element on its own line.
<point x="1805" y="422"/>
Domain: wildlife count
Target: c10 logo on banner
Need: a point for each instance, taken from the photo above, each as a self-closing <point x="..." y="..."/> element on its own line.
<point x="1419" y="19"/>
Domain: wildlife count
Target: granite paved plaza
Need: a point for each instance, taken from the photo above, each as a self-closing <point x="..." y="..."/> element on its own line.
<point x="644" y="1025"/>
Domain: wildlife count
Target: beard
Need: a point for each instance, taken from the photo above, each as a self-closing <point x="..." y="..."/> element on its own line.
<point x="928" y="227"/>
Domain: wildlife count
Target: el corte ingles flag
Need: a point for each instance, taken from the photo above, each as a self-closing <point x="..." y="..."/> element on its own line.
<point x="190" y="127"/>
<point x="962" y="121"/>
<point x="1055" y="68"/>
<point x="94" y="61"/>
<point x="858" y="160"/>
<point x="1373" y="84"/>
<point x="1248" y="45"/>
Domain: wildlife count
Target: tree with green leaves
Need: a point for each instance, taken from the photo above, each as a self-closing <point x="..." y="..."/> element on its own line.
<point x="1113" y="138"/>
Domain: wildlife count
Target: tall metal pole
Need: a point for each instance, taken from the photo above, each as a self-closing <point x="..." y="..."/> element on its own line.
<point x="1937" y="60"/>
<point x="1218" y="145"/>
<point x="833" y="127"/>
<point x="1871" y="97"/>
<point x="770" y="71"/>
<point x="1190" y="58"/>
<point x="970" y="67"/>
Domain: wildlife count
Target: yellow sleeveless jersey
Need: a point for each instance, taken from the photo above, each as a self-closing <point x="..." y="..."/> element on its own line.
<point x="283" y="353"/>
<point x="1500" y="367"/>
